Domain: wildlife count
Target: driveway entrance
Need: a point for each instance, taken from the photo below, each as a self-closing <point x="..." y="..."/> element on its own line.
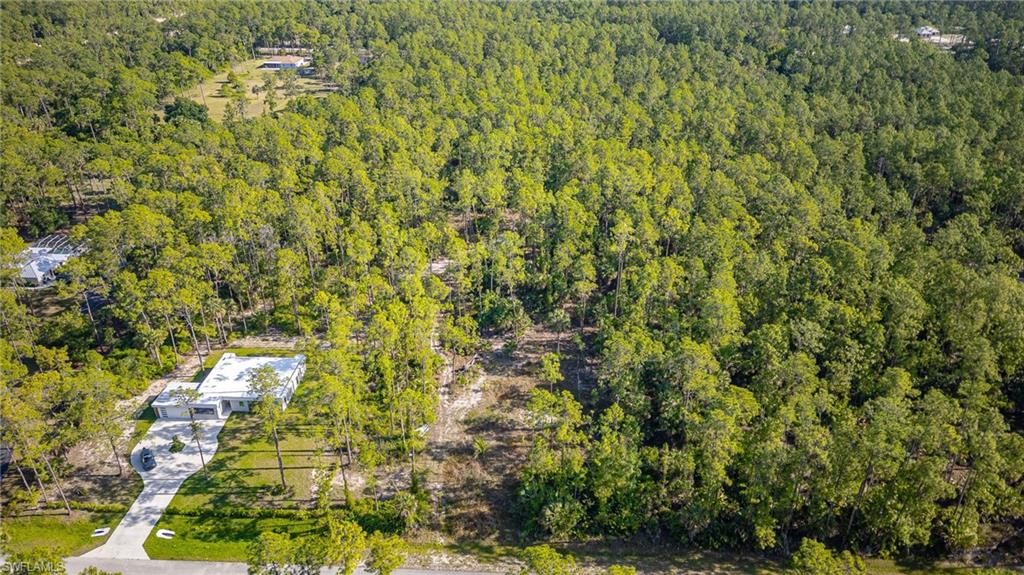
<point x="160" y="483"/>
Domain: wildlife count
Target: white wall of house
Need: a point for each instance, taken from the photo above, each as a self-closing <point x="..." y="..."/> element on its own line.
<point x="240" y="405"/>
<point x="201" y="411"/>
<point x="170" y="412"/>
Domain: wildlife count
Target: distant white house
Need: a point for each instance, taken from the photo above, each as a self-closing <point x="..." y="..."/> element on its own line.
<point x="226" y="387"/>
<point x="284" y="63"/>
<point x="40" y="261"/>
<point x="946" y="42"/>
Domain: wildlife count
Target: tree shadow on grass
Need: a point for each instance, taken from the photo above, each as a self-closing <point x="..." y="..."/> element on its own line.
<point x="222" y="530"/>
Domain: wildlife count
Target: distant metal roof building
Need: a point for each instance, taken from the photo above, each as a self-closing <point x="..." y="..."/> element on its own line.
<point x="926" y="31"/>
<point x="41" y="260"/>
<point x="282" y="62"/>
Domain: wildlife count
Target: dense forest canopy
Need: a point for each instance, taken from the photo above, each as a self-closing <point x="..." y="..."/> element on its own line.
<point x="790" y="244"/>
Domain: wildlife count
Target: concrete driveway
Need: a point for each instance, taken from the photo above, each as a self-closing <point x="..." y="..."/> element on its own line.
<point x="159" y="484"/>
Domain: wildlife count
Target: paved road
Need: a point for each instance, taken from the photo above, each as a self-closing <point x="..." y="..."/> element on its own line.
<point x="159" y="485"/>
<point x="76" y="565"/>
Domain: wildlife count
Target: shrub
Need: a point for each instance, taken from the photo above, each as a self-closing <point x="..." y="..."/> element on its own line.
<point x="561" y="518"/>
<point x="38" y="560"/>
<point x="543" y="560"/>
<point x="480" y="447"/>
<point x="176" y="444"/>
<point x="813" y="558"/>
<point x="89" y="506"/>
<point x="387" y="553"/>
<point x="226" y="512"/>
<point x="503" y="315"/>
<point x="21" y="500"/>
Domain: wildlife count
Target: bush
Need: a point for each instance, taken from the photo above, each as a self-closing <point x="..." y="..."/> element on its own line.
<point x="503" y="315"/>
<point x="39" y="560"/>
<point x="381" y="516"/>
<point x="88" y="506"/>
<point x="241" y="512"/>
<point x="387" y="553"/>
<point x="813" y="558"/>
<point x="20" y="500"/>
<point x="411" y="508"/>
<point x="543" y="560"/>
<point x="176" y="445"/>
<point x="136" y="366"/>
<point x="480" y="447"/>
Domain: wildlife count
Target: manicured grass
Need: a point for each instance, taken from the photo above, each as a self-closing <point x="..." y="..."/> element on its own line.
<point x="216" y="539"/>
<point x="71" y="534"/>
<point x="244" y="470"/>
<point x="252" y="77"/>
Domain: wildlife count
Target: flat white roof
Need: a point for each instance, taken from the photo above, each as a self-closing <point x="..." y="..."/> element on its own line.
<point x="285" y="60"/>
<point x="229" y="378"/>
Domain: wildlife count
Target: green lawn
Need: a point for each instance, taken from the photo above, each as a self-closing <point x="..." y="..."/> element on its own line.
<point x="244" y="470"/>
<point x="71" y="534"/>
<point x="215" y="539"/>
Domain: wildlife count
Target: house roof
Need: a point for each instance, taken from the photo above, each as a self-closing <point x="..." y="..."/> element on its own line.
<point x="46" y="255"/>
<point x="229" y="378"/>
<point x="38" y="267"/>
<point x="285" y="60"/>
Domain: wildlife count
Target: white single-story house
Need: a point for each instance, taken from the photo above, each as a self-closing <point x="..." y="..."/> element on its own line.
<point x="40" y="269"/>
<point x="927" y="31"/>
<point x="284" y="63"/>
<point x="39" y="262"/>
<point x="226" y="387"/>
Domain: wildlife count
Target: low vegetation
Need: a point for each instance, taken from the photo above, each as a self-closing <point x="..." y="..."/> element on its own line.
<point x="71" y="535"/>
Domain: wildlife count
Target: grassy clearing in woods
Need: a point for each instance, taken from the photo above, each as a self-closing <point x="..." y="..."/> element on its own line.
<point x="252" y="77"/>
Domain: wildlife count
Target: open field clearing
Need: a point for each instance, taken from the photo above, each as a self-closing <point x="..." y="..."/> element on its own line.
<point x="210" y="91"/>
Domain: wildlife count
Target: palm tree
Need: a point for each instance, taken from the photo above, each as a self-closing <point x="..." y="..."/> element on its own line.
<point x="185" y="397"/>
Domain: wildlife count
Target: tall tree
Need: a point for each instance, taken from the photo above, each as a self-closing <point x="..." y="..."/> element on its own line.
<point x="268" y="390"/>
